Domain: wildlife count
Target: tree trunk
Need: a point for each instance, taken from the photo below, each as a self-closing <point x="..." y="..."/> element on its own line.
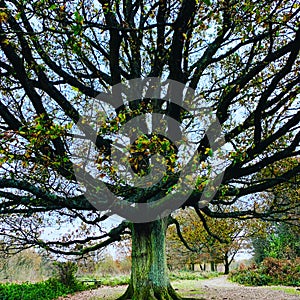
<point x="149" y="272"/>
<point x="212" y="266"/>
<point x="192" y="267"/>
<point x="226" y="264"/>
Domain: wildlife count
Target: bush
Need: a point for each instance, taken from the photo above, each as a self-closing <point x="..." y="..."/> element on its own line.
<point x="282" y="271"/>
<point x="249" y="277"/>
<point x="271" y="271"/>
<point x="66" y="272"/>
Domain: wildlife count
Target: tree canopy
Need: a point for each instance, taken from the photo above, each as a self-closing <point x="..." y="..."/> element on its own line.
<point x="218" y="243"/>
<point x="240" y="57"/>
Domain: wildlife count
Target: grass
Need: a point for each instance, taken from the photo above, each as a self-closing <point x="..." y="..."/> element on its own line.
<point x="46" y="290"/>
<point x="187" y="288"/>
<point x="112" y="294"/>
<point x="186" y="282"/>
<point x="124" y="279"/>
<point x="188" y="275"/>
<point x="288" y="290"/>
<point x="107" y="280"/>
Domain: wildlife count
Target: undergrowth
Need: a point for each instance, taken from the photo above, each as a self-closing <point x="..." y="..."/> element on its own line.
<point x="271" y="271"/>
<point x="46" y="290"/>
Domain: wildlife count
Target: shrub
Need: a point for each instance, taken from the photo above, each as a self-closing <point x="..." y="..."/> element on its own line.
<point x="249" y="277"/>
<point x="271" y="271"/>
<point x="66" y="272"/>
<point x="282" y="271"/>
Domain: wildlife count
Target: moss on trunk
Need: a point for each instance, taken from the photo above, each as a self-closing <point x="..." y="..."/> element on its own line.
<point x="149" y="274"/>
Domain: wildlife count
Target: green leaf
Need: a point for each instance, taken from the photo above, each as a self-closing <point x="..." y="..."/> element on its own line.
<point x="53" y="6"/>
<point x="207" y="2"/>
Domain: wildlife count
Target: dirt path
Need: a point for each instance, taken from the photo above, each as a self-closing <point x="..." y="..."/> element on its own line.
<point x="220" y="288"/>
<point x="211" y="289"/>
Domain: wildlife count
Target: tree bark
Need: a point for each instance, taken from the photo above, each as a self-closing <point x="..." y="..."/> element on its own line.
<point x="226" y="271"/>
<point x="226" y="264"/>
<point x="149" y="273"/>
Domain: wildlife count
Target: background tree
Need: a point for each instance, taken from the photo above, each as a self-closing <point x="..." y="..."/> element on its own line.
<point x="283" y="243"/>
<point x="213" y="240"/>
<point x="242" y="58"/>
<point x="28" y="265"/>
<point x="259" y="245"/>
<point x="279" y="240"/>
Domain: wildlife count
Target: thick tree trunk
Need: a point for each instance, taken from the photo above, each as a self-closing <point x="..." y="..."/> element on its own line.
<point x="149" y="273"/>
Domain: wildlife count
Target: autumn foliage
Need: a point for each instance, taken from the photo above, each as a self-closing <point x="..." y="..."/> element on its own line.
<point x="272" y="271"/>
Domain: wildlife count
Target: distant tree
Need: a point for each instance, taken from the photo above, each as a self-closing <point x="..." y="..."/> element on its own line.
<point x="27" y="265"/>
<point x="214" y="240"/>
<point x="259" y="245"/>
<point x="241" y="58"/>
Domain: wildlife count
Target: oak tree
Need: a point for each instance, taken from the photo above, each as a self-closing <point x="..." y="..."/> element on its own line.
<point x="241" y="58"/>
